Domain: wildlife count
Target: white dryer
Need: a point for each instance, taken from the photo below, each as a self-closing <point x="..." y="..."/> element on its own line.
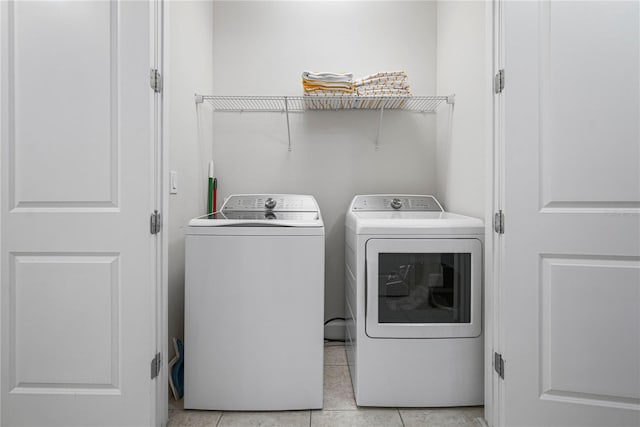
<point x="254" y="305"/>
<point x="413" y="303"/>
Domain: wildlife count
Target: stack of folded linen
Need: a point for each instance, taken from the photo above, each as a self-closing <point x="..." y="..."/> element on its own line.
<point x="328" y="86"/>
<point x="338" y="90"/>
<point x="384" y="84"/>
<point x="392" y="83"/>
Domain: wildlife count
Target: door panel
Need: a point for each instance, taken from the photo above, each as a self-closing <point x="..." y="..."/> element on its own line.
<point x="45" y="317"/>
<point x="78" y="261"/>
<point x="571" y="266"/>
<point x="589" y="105"/>
<point x="588" y="307"/>
<point x="65" y="79"/>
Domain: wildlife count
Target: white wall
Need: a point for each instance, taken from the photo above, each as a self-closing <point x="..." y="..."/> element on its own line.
<point x="261" y="48"/>
<point x="461" y="69"/>
<point x="189" y="68"/>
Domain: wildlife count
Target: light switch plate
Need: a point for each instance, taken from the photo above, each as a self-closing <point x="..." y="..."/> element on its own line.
<point x="173" y="182"/>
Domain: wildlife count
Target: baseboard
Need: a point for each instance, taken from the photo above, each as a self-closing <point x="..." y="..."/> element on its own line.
<point x="334" y="330"/>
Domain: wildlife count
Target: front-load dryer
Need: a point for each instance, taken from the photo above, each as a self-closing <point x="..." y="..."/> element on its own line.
<point x="254" y="305"/>
<point x="413" y="303"/>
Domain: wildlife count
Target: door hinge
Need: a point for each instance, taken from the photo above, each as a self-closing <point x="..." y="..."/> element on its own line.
<point x="156" y="363"/>
<point x="498" y="364"/>
<point x="498" y="222"/>
<point x="155" y="80"/>
<point x="498" y="81"/>
<point x="155" y="222"/>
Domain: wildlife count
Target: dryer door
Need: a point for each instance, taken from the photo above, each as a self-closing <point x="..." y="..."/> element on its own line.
<point x="424" y="288"/>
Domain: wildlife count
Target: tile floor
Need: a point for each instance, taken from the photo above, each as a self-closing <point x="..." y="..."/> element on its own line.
<point x="339" y="408"/>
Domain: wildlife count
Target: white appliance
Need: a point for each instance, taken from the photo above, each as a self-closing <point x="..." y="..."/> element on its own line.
<point x="413" y="303"/>
<point x="254" y="305"/>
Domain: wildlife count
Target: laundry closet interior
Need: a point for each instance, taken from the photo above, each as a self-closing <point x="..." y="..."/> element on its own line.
<point x="241" y="52"/>
<point x="253" y="49"/>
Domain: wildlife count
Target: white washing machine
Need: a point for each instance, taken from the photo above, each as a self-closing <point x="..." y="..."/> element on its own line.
<point x="413" y="303"/>
<point x="254" y="305"/>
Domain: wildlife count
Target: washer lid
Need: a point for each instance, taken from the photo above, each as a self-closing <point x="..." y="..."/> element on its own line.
<point x="264" y="210"/>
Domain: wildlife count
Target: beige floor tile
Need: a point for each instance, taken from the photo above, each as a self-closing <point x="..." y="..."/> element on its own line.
<point x="338" y="392"/>
<point x="176" y="404"/>
<point x="442" y="417"/>
<point x="265" y="419"/>
<point x="356" y="418"/>
<point x="189" y="418"/>
<point x="334" y="355"/>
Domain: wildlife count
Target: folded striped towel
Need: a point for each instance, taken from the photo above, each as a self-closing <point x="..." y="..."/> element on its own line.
<point x="392" y="85"/>
<point x="384" y="92"/>
<point x="385" y="74"/>
<point x="388" y="83"/>
<point x="382" y="81"/>
<point x="329" y="100"/>
<point x="310" y="87"/>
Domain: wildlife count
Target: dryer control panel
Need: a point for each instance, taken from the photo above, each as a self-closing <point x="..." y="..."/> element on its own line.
<point x="403" y="202"/>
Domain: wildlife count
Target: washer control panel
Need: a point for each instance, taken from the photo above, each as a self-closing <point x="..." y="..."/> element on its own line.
<point x="396" y="203"/>
<point x="270" y="202"/>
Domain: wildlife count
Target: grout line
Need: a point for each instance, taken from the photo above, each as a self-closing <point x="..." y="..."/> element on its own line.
<point x="220" y="418"/>
<point x="400" y="414"/>
<point x="309" y="417"/>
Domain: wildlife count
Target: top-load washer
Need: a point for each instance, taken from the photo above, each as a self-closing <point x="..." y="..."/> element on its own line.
<point x="254" y="305"/>
<point x="413" y="302"/>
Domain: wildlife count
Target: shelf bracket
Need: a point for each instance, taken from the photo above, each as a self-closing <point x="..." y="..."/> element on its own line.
<point x="451" y="99"/>
<point x="379" y="128"/>
<point x="199" y="98"/>
<point x="286" y="111"/>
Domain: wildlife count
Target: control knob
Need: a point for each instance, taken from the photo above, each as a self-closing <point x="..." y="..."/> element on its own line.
<point x="396" y="203"/>
<point x="270" y="203"/>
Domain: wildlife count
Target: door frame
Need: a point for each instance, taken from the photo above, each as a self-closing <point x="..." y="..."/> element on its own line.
<point x="494" y="188"/>
<point x="159" y="415"/>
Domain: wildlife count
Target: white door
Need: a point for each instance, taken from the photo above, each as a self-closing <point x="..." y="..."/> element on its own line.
<point x="570" y="289"/>
<point x="78" y="259"/>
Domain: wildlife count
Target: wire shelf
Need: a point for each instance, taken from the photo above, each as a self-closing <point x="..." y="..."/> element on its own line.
<point x="298" y="104"/>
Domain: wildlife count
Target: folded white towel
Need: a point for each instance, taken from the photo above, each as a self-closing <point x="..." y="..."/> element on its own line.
<point x="327" y="77"/>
